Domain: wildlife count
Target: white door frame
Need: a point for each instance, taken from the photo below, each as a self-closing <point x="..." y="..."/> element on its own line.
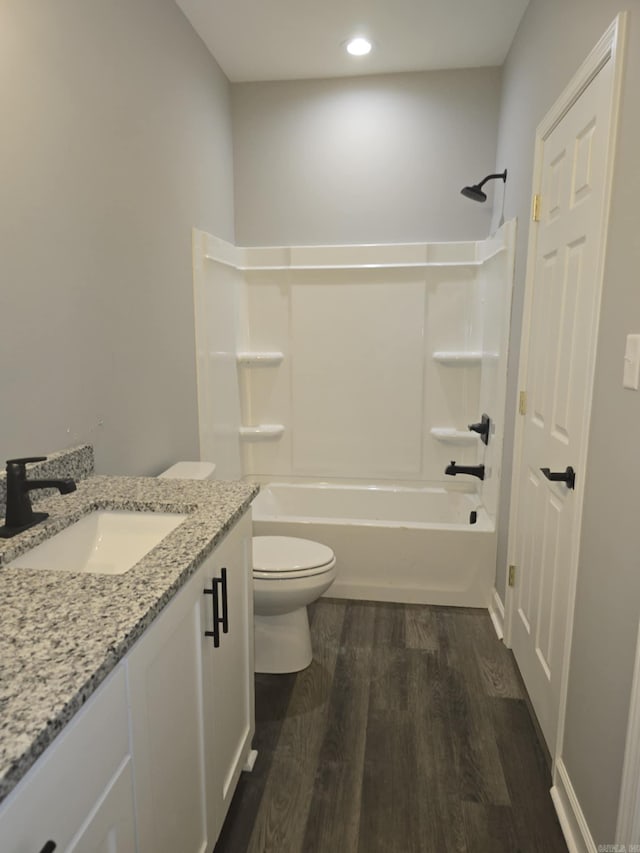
<point x="608" y="49"/>
<point x="628" y="826"/>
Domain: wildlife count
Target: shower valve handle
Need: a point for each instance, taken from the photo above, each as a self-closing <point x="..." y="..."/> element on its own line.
<point x="568" y="476"/>
<point x="482" y="428"/>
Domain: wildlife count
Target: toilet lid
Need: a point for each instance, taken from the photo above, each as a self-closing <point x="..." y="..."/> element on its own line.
<point x="288" y="554"/>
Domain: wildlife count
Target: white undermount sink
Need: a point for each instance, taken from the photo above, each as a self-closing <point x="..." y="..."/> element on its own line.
<point x="104" y="542"/>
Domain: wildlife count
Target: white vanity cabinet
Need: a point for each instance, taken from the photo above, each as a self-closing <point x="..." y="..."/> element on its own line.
<point x="79" y="794"/>
<point x="192" y="703"/>
<point x="169" y="730"/>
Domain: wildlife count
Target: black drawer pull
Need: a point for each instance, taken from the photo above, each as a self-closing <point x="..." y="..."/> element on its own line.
<point x="568" y="476"/>
<point x="220" y="607"/>
<point x="49" y="847"/>
<point x="216" y="619"/>
<point x="225" y="603"/>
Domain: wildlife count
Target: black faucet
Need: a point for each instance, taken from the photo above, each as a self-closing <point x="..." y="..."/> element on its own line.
<point x="19" y="513"/>
<point x="474" y="470"/>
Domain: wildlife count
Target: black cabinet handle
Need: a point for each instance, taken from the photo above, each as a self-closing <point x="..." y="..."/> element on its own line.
<point x="568" y="476"/>
<point x="49" y="847"/>
<point x="225" y="603"/>
<point x="214" y="604"/>
<point x="219" y="606"/>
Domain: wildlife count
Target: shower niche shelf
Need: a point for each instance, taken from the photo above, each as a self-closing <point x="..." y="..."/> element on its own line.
<point x="453" y="436"/>
<point x="462" y="358"/>
<point x="259" y="358"/>
<point x="261" y="432"/>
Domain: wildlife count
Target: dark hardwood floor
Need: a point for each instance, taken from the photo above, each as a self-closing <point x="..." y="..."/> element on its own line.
<point x="408" y="733"/>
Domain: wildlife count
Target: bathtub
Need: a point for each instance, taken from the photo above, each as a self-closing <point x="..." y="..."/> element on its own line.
<point x="411" y="545"/>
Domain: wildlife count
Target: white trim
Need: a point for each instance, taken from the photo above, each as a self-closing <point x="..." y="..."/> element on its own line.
<point x="496" y="612"/>
<point x="198" y="249"/>
<point x="572" y="821"/>
<point x="603" y="51"/>
<point x="608" y="48"/>
<point x="628" y="826"/>
<point x="527" y="311"/>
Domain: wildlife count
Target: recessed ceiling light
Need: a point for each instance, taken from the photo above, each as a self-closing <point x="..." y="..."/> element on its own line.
<point x="359" y="46"/>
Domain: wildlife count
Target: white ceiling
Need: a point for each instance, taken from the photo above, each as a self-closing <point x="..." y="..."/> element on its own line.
<point x="298" y="39"/>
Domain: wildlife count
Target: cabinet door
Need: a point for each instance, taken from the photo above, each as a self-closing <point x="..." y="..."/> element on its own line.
<point x="168" y="747"/>
<point x="69" y="780"/>
<point x="228" y="670"/>
<point x="110" y="828"/>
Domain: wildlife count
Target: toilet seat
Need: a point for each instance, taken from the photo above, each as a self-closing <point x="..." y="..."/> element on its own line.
<point x="287" y="557"/>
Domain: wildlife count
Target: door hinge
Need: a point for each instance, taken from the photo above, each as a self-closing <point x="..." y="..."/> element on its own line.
<point x="535" y="213"/>
<point x="512" y="575"/>
<point x="522" y="403"/>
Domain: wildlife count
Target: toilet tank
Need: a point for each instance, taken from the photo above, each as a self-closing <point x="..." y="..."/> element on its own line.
<point x="190" y="471"/>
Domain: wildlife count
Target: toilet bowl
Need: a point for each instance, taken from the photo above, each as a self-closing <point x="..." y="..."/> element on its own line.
<point x="288" y="574"/>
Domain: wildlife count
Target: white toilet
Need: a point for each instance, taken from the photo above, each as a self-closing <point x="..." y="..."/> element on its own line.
<point x="288" y="574"/>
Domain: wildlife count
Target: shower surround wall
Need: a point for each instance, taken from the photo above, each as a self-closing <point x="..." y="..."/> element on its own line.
<point x="354" y="364"/>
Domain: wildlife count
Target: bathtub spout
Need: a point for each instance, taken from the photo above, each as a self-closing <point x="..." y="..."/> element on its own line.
<point x="474" y="470"/>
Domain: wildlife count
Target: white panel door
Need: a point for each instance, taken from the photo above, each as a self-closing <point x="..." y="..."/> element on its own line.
<point x="563" y="314"/>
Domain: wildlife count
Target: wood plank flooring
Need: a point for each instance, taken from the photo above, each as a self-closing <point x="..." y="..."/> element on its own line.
<point x="409" y="733"/>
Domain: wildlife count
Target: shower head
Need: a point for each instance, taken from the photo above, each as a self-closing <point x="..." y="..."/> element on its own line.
<point x="475" y="192"/>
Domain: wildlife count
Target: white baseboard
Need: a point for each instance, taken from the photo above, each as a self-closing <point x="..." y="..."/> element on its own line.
<point x="496" y="611"/>
<point x="572" y="821"/>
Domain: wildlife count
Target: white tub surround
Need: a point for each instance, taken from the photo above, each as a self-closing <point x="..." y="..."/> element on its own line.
<point x="359" y="362"/>
<point x="362" y="364"/>
<point x="414" y="545"/>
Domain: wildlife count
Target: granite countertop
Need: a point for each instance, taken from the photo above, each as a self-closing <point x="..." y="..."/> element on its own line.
<point x="63" y="632"/>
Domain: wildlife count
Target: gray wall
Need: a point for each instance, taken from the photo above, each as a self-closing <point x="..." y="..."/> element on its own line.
<point x="551" y="42"/>
<point x="116" y="140"/>
<point x="363" y="160"/>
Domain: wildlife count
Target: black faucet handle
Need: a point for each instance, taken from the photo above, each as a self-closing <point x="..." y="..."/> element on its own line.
<point x="482" y="428"/>
<point x="26" y="459"/>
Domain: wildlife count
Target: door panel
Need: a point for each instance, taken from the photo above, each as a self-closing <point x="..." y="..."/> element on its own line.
<point x="229" y="671"/>
<point x="559" y="375"/>
<point x="110" y="829"/>
<point x="167" y="732"/>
